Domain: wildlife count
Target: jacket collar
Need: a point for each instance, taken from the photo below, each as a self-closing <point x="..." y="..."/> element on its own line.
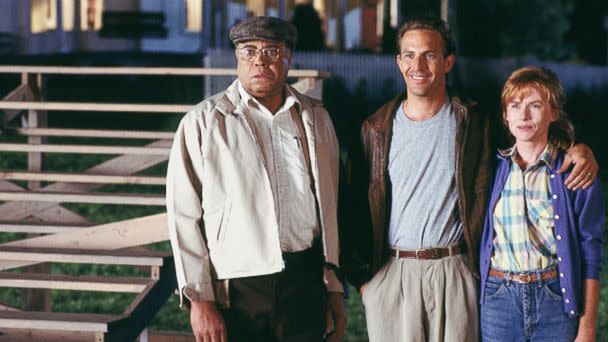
<point x="230" y="101"/>
<point x="549" y="156"/>
<point x="382" y="118"/>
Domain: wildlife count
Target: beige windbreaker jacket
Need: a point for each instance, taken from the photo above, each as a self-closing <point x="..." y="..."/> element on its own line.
<point x="220" y="207"/>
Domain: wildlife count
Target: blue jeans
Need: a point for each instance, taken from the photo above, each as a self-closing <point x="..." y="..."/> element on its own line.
<point x="525" y="312"/>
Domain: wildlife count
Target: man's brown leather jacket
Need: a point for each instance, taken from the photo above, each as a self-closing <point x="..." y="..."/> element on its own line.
<point x="364" y="240"/>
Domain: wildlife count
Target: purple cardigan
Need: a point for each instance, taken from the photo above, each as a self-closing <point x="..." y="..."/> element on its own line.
<point x="579" y="224"/>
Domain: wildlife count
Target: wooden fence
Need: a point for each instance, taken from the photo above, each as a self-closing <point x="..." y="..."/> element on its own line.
<point x="35" y="201"/>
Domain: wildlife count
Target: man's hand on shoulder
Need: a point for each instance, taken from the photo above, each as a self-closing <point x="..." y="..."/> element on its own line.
<point x="207" y="322"/>
<point x="585" y="167"/>
<point x="336" y="317"/>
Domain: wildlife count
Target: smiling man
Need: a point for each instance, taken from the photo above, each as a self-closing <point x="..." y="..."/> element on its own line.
<point x="423" y="178"/>
<point x="252" y="187"/>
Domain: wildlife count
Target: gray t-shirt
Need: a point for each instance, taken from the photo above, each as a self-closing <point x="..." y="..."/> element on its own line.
<point x="422" y="168"/>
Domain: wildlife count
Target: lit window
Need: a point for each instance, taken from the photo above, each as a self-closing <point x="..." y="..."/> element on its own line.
<point x="67" y="15"/>
<point x="194" y="15"/>
<point x="256" y="7"/>
<point x="43" y="15"/>
<point x="90" y="14"/>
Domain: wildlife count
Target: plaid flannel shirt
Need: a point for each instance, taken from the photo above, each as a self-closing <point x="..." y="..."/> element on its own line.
<point x="523" y="217"/>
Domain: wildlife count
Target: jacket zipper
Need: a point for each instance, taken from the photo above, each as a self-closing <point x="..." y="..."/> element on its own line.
<point x="261" y="156"/>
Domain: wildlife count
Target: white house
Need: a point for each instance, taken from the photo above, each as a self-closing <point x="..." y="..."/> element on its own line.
<point x="33" y="27"/>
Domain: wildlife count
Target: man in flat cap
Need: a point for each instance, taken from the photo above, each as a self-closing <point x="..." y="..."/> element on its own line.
<point x="252" y="187"/>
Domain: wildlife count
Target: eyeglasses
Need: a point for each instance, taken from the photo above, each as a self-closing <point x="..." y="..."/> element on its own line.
<point x="249" y="54"/>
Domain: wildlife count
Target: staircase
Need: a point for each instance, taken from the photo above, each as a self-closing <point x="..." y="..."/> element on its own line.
<point x="53" y="178"/>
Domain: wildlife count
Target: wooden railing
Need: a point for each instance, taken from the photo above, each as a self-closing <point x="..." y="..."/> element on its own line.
<point x="34" y="196"/>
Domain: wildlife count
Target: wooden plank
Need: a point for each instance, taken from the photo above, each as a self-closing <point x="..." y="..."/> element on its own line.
<point x="36" y="228"/>
<point x="115" y="235"/>
<point x="98" y="107"/>
<point x="81" y="178"/>
<point x="170" y="336"/>
<point x="8" y="186"/>
<point x="83" y="256"/>
<point x="76" y="283"/>
<point x="10" y="69"/>
<point x="141" y="311"/>
<point x="99" y="198"/>
<point x="55" y="214"/>
<point x="54" y="321"/>
<point x="84" y="149"/>
<point x="121" y="165"/>
<point x="128" y="233"/>
<point x="36" y="212"/>
<point x="22" y="93"/>
<point x="8" y="308"/>
<point x="92" y="133"/>
<point x="29" y="335"/>
<point x="46" y="213"/>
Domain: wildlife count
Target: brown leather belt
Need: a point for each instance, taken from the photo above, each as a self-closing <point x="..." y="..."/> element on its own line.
<point x="430" y="253"/>
<point x="524" y="278"/>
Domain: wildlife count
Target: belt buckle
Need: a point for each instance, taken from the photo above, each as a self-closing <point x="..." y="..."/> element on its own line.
<point x="434" y="253"/>
<point x="525" y="278"/>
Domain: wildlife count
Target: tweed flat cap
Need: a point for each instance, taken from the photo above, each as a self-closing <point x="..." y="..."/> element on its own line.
<point x="264" y="28"/>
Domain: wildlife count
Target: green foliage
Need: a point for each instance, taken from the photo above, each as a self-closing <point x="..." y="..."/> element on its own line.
<point x="171" y="317"/>
<point x="356" y="330"/>
<point x="91" y="302"/>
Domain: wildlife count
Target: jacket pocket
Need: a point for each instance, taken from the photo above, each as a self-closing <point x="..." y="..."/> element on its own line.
<point x="221" y="232"/>
<point x="376" y="280"/>
<point x="493" y="290"/>
<point x="553" y="289"/>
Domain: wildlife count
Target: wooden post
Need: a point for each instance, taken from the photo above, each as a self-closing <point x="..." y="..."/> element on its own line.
<point x="143" y="337"/>
<point x="36" y="119"/>
<point x="444" y="10"/>
<point x="256" y="7"/>
<point x="282" y="10"/>
<point x="387" y="13"/>
<point x="36" y="299"/>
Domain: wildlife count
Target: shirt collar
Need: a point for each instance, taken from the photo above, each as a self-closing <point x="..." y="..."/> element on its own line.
<point x="547" y="156"/>
<point x="251" y="102"/>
